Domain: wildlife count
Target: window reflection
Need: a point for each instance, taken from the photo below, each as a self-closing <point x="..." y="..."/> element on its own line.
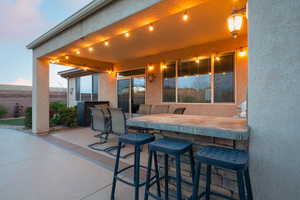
<point x="194" y="82"/>
<point x="87" y="88"/>
<point x="169" y="83"/>
<point x="224" y="79"/>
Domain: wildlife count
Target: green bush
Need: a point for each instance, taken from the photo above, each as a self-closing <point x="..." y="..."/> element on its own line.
<point x="28" y="117"/>
<point x="59" y="114"/>
<point x="68" y="116"/>
<point x="3" y="111"/>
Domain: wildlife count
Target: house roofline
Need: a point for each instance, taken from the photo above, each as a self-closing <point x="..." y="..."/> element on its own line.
<point x="76" y="72"/>
<point x="78" y="16"/>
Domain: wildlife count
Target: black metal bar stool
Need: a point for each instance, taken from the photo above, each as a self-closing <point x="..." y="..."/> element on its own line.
<point x="226" y="158"/>
<point x="169" y="147"/>
<point x="137" y="139"/>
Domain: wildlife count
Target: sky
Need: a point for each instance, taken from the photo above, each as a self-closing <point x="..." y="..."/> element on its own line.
<point x="22" y="21"/>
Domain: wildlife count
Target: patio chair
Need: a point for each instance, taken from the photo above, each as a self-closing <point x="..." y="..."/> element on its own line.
<point x="119" y="127"/>
<point x="100" y="123"/>
<point x="179" y="111"/>
<point x="157" y="109"/>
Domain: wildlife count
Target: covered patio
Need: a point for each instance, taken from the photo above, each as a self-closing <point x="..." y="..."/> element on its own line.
<point x="184" y="55"/>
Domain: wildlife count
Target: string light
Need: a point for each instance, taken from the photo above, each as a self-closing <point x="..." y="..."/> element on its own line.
<point x="91" y="49"/>
<point x="106" y="43"/>
<point x="127" y="34"/>
<point x="77" y="52"/>
<point x="151" y="28"/>
<point x="67" y="57"/>
<point x="185" y="16"/>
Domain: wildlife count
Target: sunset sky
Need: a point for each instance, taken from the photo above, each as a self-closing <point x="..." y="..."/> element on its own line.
<point x="21" y="22"/>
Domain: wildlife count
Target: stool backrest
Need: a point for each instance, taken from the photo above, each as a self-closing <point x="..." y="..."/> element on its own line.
<point x="118" y="121"/>
<point x="157" y="109"/>
<point x="99" y="122"/>
<point x="144" y="109"/>
<point x="179" y="111"/>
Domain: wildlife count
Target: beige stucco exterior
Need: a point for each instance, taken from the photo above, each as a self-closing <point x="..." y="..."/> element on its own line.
<point x="273" y="70"/>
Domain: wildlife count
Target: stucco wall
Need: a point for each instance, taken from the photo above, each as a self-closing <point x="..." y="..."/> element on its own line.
<point x="274" y="94"/>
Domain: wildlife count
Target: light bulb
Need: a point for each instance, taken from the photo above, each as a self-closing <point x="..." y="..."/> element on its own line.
<point x="127" y="34"/>
<point x="151" y="28"/>
<point x="106" y="43"/>
<point x="185" y="17"/>
<point x="77" y="52"/>
<point x="91" y="49"/>
<point x="218" y="58"/>
<point x="67" y="57"/>
<point x="150" y="68"/>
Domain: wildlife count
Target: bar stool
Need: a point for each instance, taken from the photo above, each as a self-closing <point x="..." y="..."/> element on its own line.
<point x="137" y="139"/>
<point x="169" y="147"/>
<point x="226" y="158"/>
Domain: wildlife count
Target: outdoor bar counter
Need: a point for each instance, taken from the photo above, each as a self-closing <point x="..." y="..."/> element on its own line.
<point x="221" y="127"/>
<point x="202" y="131"/>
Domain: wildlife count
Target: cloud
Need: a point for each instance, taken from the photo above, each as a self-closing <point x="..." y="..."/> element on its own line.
<point x="20" y="19"/>
<point x="20" y="81"/>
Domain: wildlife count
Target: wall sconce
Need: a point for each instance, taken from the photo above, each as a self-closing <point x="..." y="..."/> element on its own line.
<point x="163" y="66"/>
<point x="71" y="91"/>
<point x="242" y="52"/>
<point x="151" y="75"/>
<point x="235" y="22"/>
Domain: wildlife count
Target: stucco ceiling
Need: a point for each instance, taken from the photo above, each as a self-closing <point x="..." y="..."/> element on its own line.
<point x="207" y="23"/>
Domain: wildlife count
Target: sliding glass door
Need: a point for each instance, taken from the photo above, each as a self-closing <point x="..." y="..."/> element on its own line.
<point x="131" y="93"/>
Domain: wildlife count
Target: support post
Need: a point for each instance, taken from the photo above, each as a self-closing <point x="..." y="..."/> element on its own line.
<point x="40" y="96"/>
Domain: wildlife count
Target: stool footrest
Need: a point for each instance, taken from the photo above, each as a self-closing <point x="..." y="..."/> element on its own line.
<point x="217" y="194"/>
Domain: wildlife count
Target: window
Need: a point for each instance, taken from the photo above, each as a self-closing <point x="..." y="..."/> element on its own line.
<point x="169" y="83"/>
<point x="192" y="82"/>
<point x="224" y="79"/>
<point x="87" y="88"/>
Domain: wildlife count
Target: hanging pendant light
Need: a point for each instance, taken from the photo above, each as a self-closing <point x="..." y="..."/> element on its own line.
<point x="235" y="23"/>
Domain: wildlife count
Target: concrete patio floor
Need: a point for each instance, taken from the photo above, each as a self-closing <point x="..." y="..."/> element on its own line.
<point x="34" y="169"/>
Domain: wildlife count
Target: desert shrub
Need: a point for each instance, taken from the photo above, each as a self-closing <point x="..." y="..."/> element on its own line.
<point x="28" y="117"/>
<point x="3" y="111"/>
<point x="59" y="113"/>
<point x="68" y="116"/>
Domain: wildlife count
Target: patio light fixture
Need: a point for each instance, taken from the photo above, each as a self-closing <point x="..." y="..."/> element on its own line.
<point x="151" y="75"/>
<point x="217" y="58"/>
<point x="235" y="22"/>
<point x="242" y="52"/>
<point x="151" y="27"/>
<point x="163" y="66"/>
<point x="127" y="34"/>
<point x="185" y="16"/>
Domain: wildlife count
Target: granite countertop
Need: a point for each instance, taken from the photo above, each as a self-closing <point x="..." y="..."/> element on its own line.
<point x="221" y="127"/>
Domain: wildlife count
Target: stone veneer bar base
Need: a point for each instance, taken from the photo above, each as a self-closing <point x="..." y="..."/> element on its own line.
<point x="223" y="180"/>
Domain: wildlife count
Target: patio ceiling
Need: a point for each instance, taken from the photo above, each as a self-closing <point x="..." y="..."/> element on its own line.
<point x="208" y="22"/>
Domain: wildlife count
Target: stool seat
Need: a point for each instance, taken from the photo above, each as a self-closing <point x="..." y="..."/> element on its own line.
<point x="223" y="157"/>
<point x="170" y="146"/>
<point x="136" y="138"/>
